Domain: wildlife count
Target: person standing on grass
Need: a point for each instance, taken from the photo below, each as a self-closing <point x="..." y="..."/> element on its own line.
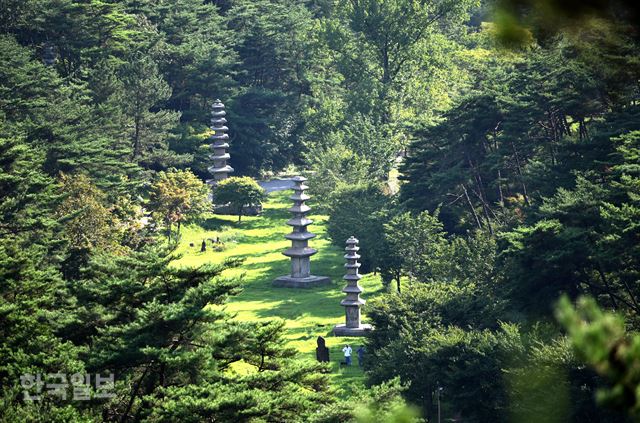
<point x="360" y="352"/>
<point x="347" y="354"/>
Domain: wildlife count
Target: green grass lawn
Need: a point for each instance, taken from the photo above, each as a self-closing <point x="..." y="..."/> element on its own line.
<point x="308" y="313"/>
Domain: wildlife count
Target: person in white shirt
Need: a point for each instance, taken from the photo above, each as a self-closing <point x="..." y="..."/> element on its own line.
<point x="347" y="354"/>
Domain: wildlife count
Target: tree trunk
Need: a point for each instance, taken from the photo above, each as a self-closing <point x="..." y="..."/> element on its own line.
<point x="524" y="187"/>
<point x="481" y="194"/>
<point x="473" y="211"/>
<point x="136" y="138"/>
<point x="134" y="394"/>
<point x="386" y="82"/>
<point x="500" y="193"/>
<point x="605" y="281"/>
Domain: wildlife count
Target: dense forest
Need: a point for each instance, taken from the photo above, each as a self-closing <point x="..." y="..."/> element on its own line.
<point x="486" y="153"/>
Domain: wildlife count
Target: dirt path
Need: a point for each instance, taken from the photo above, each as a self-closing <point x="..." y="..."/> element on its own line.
<point x="276" y="185"/>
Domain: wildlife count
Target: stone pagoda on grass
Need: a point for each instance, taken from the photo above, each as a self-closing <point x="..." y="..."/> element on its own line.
<point x="220" y="169"/>
<point x="353" y="302"/>
<point x="300" y="252"/>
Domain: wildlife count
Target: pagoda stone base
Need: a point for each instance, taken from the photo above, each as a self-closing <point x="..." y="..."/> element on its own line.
<point x="343" y="330"/>
<point x="308" y="282"/>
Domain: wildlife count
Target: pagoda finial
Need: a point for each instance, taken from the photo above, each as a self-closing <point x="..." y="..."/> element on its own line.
<point x="219" y="144"/>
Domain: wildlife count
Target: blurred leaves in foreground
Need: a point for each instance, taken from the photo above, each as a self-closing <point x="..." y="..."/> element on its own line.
<point x="516" y="19"/>
<point x="601" y="341"/>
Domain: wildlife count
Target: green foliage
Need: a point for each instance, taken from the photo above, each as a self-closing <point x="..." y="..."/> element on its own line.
<point x="419" y="245"/>
<point x="451" y="336"/>
<point x="35" y="305"/>
<point x="533" y="155"/>
<point x="195" y="54"/>
<point x="549" y="17"/>
<point x="418" y="248"/>
<point x="420" y="338"/>
<point x="372" y="141"/>
<point x="28" y="195"/>
<point x="178" y="196"/>
<point x="88" y="223"/>
<point x="273" y="48"/>
<point x="144" y="90"/>
<point x="552" y="384"/>
<point x="34" y="301"/>
<point x="582" y="242"/>
<point x="380" y="403"/>
<point x="360" y="211"/>
<point x="161" y="330"/>
<point x="601" y="340"/>
<point x="334" y="168"/>
<point x="520" y="183"/>
<point x="379" y="41"/>
<point x="238" y="192"/>
<point x="479" y="164"/>
<point x="60" y="121"/>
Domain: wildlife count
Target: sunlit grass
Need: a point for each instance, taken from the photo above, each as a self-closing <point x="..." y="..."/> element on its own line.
<point x="259" y="240"/>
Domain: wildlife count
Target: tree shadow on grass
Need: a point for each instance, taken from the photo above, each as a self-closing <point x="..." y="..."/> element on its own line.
<point x="309" y="333"/>
<point x="215" y="223"/>
<point x="270" y="219"/>
<point x="319" y="302"/>
<point x="309" y="312"/>
<point x="261" y="239"/>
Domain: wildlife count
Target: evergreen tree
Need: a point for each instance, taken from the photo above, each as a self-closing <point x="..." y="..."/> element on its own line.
<point x="157" y="327"/>
<point x="145" y="91"/>
<point x="34" y="302"/>
<point x="273" y="50"/>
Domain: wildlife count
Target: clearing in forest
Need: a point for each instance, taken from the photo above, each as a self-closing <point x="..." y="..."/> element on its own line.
<point x="308" y="313"/>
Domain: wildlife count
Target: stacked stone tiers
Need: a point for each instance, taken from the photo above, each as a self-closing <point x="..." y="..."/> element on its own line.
<point x="219" y="144"/>
<point x="352" y="302"/>
<point x="300" y="252"/>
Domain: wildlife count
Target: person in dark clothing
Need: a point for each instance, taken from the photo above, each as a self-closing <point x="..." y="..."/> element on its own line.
<point x="322" y="352"/>
<point x="360" y="352"/>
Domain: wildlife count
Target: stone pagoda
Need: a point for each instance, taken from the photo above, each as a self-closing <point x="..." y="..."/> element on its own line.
<point x="353" y="302"/>
<point x="300" y="252"/>
<point x="220" y="169"/>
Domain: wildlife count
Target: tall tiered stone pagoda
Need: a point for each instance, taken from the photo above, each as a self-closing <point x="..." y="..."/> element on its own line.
<point x="220" y="169"/>
<point x="353" y="302"/>
<point x="300" y="252"/>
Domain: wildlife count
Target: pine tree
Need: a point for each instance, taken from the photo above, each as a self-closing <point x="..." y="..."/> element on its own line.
<point x="160" y="329"/>
<point x="34" y="302"/>
<point x="145" y="92"/>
